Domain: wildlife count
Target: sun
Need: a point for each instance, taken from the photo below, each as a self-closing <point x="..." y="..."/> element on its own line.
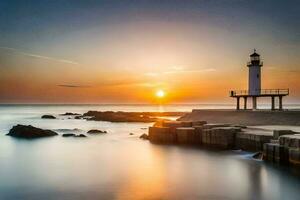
<point x="160" y="93"/>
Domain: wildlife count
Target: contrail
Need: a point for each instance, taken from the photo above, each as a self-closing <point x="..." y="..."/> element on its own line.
<point x="39" y="56"/>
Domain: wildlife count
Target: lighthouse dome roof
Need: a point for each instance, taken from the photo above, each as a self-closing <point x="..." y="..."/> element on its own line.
<point x="254" y="54"/>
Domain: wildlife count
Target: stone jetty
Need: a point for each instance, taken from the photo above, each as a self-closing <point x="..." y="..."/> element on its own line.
<point x="282" y="146"/>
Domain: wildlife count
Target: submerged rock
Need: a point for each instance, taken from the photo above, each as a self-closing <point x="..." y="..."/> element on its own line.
<point x="23" y="131"/>
<point x="258" y="155"/>
<point x="80" y="135"/>
<point x="68" y="135"/>
<point x="144" y="136"/>
<point x="48" y="117"/>
<point x="96" y="131"/>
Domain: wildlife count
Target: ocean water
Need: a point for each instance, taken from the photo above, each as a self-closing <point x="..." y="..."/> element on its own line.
<point x="122" y="166"/>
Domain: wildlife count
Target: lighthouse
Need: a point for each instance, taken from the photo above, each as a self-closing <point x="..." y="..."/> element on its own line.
<point x="254" y="87"/>
<point x="254" y="81"/>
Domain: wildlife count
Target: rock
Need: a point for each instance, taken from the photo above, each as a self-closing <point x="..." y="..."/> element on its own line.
<point x="80" y="135"/>
<point x="68" y="135"/>
<point x="144" y="136"/>
<point x="48" y="117"/>
<point x="258" y="155"/>
<point x="96" y="131"/>
<point x="78" y="117"/>
<point x="70" y="113"/>
<point x="23" y="131"/>
<point x="131" y="134"/>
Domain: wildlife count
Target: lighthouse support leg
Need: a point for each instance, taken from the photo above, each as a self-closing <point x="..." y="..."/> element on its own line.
<point x="238" y="103"/>
<point x="280" y="102"/>
<point x="254" y="105"/>
<point x="273" y="103"/>
<point x="245" y="103"/>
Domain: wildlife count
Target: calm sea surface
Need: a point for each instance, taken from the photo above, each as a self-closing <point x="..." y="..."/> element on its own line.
<point x="121" y="166"/>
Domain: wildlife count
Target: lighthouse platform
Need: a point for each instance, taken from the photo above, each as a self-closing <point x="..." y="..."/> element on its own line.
<point x="272" y="93"/>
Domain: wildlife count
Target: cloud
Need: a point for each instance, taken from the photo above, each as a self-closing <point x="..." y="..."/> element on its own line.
<point x="179" y="70"/>
<point x="38" y="56"/>
<point x="74" y="86"/>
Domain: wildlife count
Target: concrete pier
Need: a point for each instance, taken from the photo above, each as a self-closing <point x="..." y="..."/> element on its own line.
<point x="279" y="146"/>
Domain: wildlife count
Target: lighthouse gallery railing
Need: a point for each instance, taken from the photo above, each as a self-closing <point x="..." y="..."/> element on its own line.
<point x="261" y="92"/>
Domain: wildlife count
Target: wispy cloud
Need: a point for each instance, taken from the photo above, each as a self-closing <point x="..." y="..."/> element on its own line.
<point x="74" y="86"/>
<point x="38" y="56"/>
<point x="190" y="71"/>
<point x="179" y="70"/>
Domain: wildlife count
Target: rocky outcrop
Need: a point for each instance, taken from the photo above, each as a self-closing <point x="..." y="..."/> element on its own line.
<point x="48" y="117"/>
<point x="69" y="114"/>
<point x="128" y="116"/>
<point x="96" y="131"/>
<point x="73" y="135"/>
<point x="23" y="131"/>
<point x="144" y="136"/>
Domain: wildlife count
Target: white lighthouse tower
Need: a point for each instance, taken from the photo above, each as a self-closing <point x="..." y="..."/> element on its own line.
<point x="254" y="84"/>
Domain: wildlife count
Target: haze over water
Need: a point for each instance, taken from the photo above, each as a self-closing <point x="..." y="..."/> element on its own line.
<point x="122" y="166"/>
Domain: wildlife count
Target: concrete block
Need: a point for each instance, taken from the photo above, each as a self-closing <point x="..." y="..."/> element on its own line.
<point x="198" y="123"/>
<point x="278" y="133"/>
<point x="294" y="156"/>
<point x="275" y="153"/>
<point x="208" y="126"/>
<point x="198" y="134"/>
<point x="186" y="123"/>
<point x="292" y="141"/>
<point x="281" y="154"/>
<point x="161" y="135"/>
<point x="221" y="137"/>
<point x="172" y="125"/>
<point x="186" y="135"/>
<point x="251" y="142"/>
<point x="206" y="136"/>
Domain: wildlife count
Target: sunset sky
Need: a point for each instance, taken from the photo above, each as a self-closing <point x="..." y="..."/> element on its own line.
<point x="72" y="51"/>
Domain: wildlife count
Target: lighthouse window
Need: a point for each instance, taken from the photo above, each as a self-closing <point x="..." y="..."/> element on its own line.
<point x="257" y="75"/>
